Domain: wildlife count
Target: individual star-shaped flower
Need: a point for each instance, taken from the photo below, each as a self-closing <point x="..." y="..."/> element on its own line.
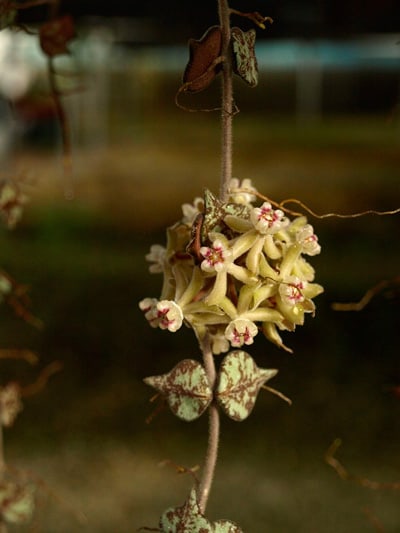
<point x="291" y="290"/>
<point x="219" y="259"/>
<point x="241" y="331"/>
<point x="309" y="241"/>
<point x="267" y="220"/>
<point x="164" y="314"/>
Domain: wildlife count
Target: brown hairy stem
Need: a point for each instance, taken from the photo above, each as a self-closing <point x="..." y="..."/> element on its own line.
<point x="227" y="100"/>
<point x="226" y="175"/>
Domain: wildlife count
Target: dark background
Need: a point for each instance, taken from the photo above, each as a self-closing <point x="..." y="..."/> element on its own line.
<point x="174" y="20"/>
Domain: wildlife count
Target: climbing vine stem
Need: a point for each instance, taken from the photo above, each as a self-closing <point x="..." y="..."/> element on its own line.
<point x="227" y="99"/>
<point x="213" y="430"/>
<point x="226" y="175"/>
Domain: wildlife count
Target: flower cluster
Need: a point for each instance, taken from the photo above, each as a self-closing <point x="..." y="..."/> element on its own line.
<point x="233" y="269"/>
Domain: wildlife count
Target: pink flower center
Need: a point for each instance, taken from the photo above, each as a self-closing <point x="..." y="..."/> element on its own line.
<point x="241" y="337"/>
<point x="294" y="292"/>
<point x="162" y="317"/>
<point x="268" y="215"/>
<point x="311" y="239"/>
<point x="215" y="256"/>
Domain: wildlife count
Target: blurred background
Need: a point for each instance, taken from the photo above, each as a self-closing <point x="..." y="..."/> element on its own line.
<point x="323" y="126"/>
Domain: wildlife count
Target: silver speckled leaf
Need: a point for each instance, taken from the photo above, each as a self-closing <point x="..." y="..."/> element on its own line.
<point x="215" y="211"/>
<point x="245" y="61"/>
<point x="239" y="382"/>
<point x="189" y="519"/>
<point x="185" y="388"/>
<point x="225" y="526"/>
<point x="185" y="519"/>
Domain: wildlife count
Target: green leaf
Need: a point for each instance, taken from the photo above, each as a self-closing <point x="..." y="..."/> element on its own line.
<point x="239" y="381"/>
<point x="245" y="61"/>
<point x="215" y="211"/>
<point x="225" y="526"/>
<point x="185" y="388"/>
<point x="189" y="519"/>
<point x="185" y="519"/>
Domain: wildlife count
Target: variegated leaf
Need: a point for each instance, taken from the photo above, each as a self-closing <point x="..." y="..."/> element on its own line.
<point x="185" y="388"/>
<point x="245" y="61"/>
<point x="185" y="519"/>
<point x="239" y="382"/>
<point x="189" y="519"/>
<point x="226" y="526"/>
<point x="212" y="220"/>
<point x="215" y="211"/>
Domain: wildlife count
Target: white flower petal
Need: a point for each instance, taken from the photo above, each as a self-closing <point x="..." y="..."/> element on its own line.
<point x="267" y="220"/>
<point x="291" y="290"/>
<point x="241" y="331"/>
<point x="308" y="240"/>
<point x="238" y="196"/>
<point x="216" y="258"/>
<point x="170" y="315"/>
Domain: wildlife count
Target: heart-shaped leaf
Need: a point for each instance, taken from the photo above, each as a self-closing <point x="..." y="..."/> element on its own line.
<point x="245" y="61"/>
<point x="185" y="388"/>
<point x="189" y="519"/>
<point x="239" y="382"/>
<point x="185" y="519"/>
<point x="204" y="60"/>
<point x="215" y="211"/>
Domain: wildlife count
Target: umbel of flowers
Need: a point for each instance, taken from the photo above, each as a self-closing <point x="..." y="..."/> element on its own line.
<point x="234" y="270"/>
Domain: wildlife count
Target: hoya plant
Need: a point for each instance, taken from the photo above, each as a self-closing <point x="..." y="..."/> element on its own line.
<point x="234" y="267"/>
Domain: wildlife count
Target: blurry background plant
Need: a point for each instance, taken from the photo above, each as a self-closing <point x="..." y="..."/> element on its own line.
<point x="17" y="487"/>
<point x="331" y="107"/>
